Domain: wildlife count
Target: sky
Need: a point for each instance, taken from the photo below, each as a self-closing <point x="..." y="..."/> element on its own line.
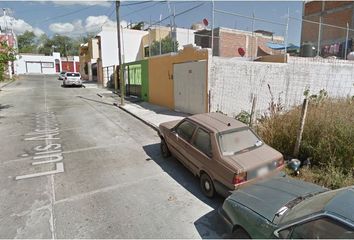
<point x="77" y="18"/>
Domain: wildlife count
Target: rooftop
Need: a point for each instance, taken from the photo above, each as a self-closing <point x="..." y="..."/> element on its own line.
<point x="258" y="33"/>
<point x="217" y="122"/>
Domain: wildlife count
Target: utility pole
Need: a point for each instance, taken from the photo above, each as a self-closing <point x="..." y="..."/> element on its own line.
<point x="121" y="73"/>
<point x="174" y="30"/>
<point x="67" y="59"/>
<point x="5" y="20"/>
<point x="171" y="21"/>
<point x="212" y="27"/>
<point x="160" y="34"/>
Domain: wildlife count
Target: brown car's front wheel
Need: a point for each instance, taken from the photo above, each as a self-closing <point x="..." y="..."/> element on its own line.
<point x="165" y="152"/>
<point x="207" y="185"/>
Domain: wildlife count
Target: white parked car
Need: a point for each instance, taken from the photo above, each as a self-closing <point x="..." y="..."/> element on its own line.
<point x="61" y="75"/>
<point x="72" y="79"/>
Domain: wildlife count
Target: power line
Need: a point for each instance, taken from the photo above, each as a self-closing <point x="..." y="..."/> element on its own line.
<point x="188" y="10"/>
<point x="67" y="14"/>
<point x="156" y="3"/>
<point x="141" y="9"/>
<point x="137" y="3"/>
<point x="178" y="14"/>
<point x="248" y="17"/>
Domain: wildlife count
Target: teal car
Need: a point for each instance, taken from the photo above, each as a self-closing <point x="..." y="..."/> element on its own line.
<point x="284" y="207"/>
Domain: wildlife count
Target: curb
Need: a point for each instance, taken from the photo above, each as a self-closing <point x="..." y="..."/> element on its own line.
<point x="1" y="87"/>
<point x="153" y="126"/>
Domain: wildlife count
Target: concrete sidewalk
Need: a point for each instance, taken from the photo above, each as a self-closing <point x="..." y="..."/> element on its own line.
<point x="150" y="114"/>
<point x="5" y="83"/>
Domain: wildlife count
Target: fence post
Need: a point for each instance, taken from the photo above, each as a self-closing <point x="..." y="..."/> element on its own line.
<point x="252" y="115"/>
<point x="252" y="53"/>
<point x="319" y="37"/>
<point x="286" y="36"/>
<point x="346" y="43"/>
<point x="301" y="127"/>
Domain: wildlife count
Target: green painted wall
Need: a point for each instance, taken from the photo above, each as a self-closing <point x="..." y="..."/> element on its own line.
<point x="139" y="75"/>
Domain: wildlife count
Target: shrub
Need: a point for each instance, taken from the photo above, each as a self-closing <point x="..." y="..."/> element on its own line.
<point x="328" y="132"/>
<point x="6" y="54"/>
<point x="244" y="117"/>
<point x="328" y="137"/>
<point x="328" y="176"/>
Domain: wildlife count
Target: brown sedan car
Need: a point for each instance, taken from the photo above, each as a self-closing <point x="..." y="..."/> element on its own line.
<point x="222" y="151"/>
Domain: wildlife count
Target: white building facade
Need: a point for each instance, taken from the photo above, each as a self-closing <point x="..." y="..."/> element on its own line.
<point x="30" y="63"/>
<point x="130" y="43"/>
<point x="184" y="37"/>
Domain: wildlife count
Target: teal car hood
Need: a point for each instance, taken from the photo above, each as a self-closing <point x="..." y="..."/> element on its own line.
<point x="267" y="197"/>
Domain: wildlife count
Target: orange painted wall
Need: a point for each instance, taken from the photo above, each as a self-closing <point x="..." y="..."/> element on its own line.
<point x="161" y="74"/>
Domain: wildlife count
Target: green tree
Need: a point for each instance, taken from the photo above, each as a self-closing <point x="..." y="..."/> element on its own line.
<point x="138" y="26"/>
<point x="65" y="45"/>
<point x="7" y="54"/>
<point x="86" y="38"/>
<point x="27" y="42"/>
<point x="166" y="46"/>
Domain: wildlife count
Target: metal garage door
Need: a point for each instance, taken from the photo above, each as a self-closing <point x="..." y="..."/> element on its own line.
<point x="33" y="67"/>
<point x="190" y="89"/>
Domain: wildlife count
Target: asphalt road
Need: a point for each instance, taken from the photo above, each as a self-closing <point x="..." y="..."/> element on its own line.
<point x="73" y="166"/>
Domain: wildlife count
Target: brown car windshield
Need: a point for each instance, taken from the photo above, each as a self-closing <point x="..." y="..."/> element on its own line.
<point x="237" y="140"/>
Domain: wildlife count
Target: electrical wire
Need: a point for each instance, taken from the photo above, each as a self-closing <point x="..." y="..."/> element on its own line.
<point x="178" y="14"/>
<point x="136" y="3"/>
<point x="138" y="10"/>
<point x="141" y="9"/>
<point x="67" y="14"/>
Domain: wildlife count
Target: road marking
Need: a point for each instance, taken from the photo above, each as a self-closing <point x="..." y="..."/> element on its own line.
<point x="64" y="152"/>
<point x="47" y="130"/>
<point x="109" y="188"/>
<point x="59" y="169"/>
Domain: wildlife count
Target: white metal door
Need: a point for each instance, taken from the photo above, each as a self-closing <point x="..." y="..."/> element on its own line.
<point x="33" y="67"/>
<point x="190" y="87"/>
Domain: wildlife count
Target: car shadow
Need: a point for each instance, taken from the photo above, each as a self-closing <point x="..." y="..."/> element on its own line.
<point x="70" y="86"/>
<point x="209" y="225"/>
<point x="96" y="101"/>
<point x="2" y="106"/>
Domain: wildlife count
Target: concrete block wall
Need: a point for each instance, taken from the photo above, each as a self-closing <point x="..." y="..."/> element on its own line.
<point x="233" y="83"/>
<point x="229" y="41"/>
<point x="337" y="13"/>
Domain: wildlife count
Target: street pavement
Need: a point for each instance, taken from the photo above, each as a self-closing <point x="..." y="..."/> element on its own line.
<point x="74" y="166"/>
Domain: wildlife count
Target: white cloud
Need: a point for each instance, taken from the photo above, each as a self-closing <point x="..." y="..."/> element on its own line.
<point x="94" y="23"/>
<point x="284" y="16"/>
<point x="83" y="2"/>
<point x="61" y="28"/>
<point x="37" y="31"/>
<point x="124" y="23"/>
<point x="19" y="25"/>
<point x="78" y="26"/>
<point x="91" y="24"/>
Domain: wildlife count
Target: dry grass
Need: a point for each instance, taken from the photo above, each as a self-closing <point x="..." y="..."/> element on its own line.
<point x="328" y="139"/>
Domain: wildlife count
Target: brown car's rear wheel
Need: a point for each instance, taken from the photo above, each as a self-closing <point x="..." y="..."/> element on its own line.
<point x="207" y="185"/>
<point x="165" y="152"/>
